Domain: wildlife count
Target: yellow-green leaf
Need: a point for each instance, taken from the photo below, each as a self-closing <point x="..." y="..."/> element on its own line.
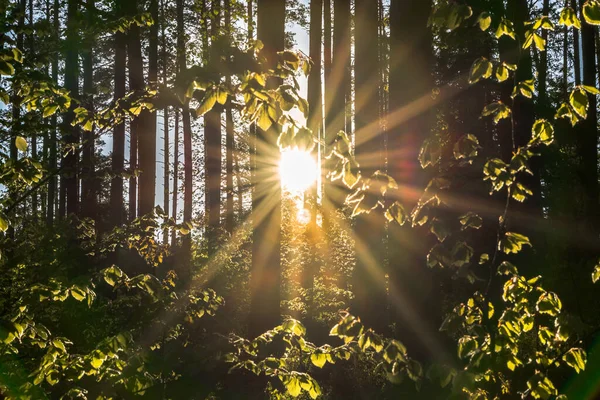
<point x="21" y="143"/>
<point x="591" y="12"/>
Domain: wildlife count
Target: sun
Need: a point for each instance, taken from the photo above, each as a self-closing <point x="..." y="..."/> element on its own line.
<point x="297" y="169"/>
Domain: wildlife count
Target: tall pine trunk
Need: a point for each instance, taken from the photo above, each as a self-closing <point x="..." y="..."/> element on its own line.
<point x="187" y="146"/>
<point x="166" y="166"/>
<point x="368" y="281"/>
<point x="587" y="137"/>
<point x="52" y="151"/>
<point x="88" y="183"/>
<point x="212" y="136"/>
<point x="412" y="286"/>
<point x="266" y="202"/>
<point x="118" y="146"/>
<point x="147" y="134"/>
<point x="175" y="175"/>
<point x="229" y="138"/>
<point x="69" y="176"/>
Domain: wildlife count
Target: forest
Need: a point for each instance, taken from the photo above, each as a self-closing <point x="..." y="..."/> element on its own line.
<point x="311" y="199"/>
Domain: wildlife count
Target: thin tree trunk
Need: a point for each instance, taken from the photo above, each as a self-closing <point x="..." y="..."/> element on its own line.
<point x="212" y="136"/>
<point x="147" y="133"/>
<point x="16" y="105"/>
<point x="576" y="53"/>
<point x="229" y="139"/>
<point x="266" y="202"/>
<point x="166" y="192"/>
<point x="368" y="277"/>
<point x="314" y="124"/>
<point x="175" y="175"/>
<point x="88" y="183"/>
<point x="52" y="184"/>
<point x="187" y="147"/>
<point x="69" y="175"/>
<point x="34" y="145"/>
<point x="118" y="146"/>
<point x="587" y="138"/>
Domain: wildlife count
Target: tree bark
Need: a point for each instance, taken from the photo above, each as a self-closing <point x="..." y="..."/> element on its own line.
<point x="368" y="280"/>
<point x="187" y="147"/>
<point x="88" y="183"/>
<point x="175" y="175"/>
<point x="118" y="146"/>
<point x="69" y="176"/>
<point x="52" y="184"/>
<point x="166" y="192"/>
<point x="229" y="139"/>
<point x="266" y="202"/>
<point x="147" y="125"/>
<point x="212" y="135"/>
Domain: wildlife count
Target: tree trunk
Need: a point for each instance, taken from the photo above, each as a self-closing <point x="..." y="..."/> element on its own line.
<point x="587" y="137"/>
<point x="229" y="139"/>
<point x="166" y="192"/>
<point x="15" y="129"/>
<point x="71" y="133"/>
<point x="187" y="147"/>
<point x="337" y="96"/>
<point x="368" y="277"/>
<point x="118" y="146"/>
<point x="212" y="136"/>
<point x="88" y="183"/>
<point x="576" y="53"/>
<point x="266" y="201"/>
<point x="175" y="175"/>
<point x="52" y="184"/>
<point x="34" y="146"/>
<point x="413" y="289"/>
<point x="315" y="123"/>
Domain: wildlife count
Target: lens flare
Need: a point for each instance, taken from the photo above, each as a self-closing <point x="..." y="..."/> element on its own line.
<point x="297" y="169"/>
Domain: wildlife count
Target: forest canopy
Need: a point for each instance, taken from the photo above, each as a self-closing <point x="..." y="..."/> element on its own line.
<point x="325" y="199"/>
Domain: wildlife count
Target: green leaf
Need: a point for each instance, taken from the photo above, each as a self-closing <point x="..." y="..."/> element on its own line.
<point x="506" y="27"/>
<point x="3" y="224"/>
<point x="590" y="89"/>
<point x="78" y="293"/>
<point x="351" y="173"/>
<point x="526" y="88"/>
<point x="484" y="20"/>
<point x="596" y="273"/>
<point x="482" y="68"/>
<point x="542" y="131"/>
<point x="21" y="143"/>
<point x="519" y="192"/>
<point x="112" y="275"/>
<point x="318" y="359"/>
<point x="208" y="102"/>
<point x="396" y="213"/>
<point x="576" y="358"/>
<point x="17" y="55"/>
<point x="467" y="345"/>
<point x="513" y="242"/>
<point x="466" y="147"/>
<point x="579" y="101"/>
<point x="97" y="359"/>
<point x="264" y="121"/>
<point x="6" y="68"/>
<point x="568" y="17"/>
<point x="471" y="220"/>
<point x="49" y="111"/>
<point x="292" y="385"/>
<point x="507" y="268"/>
<point x="591" y="12"/>
<point x="221" y="96"/>
<point x="498" y="110"/>
<point x="549" y="303"/>
<point x="502" y="73"/>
